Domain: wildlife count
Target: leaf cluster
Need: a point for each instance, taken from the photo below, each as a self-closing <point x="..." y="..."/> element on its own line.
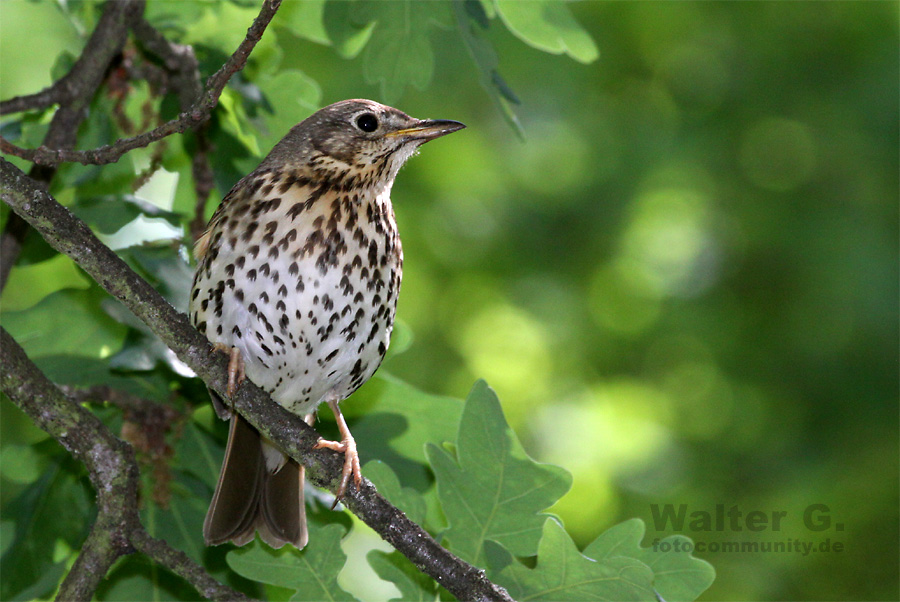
<point x="454" y="467"/>
<point x="491" y="498"/>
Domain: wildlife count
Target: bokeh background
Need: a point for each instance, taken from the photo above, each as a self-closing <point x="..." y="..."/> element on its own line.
<point x="682" y="283"/>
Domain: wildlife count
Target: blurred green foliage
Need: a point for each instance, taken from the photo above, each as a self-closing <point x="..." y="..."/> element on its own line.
<point x="683" y="283"/>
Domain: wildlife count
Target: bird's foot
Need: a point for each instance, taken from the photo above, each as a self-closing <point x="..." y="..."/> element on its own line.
<point x="351" y="464"/>
<point x="346" y="446"/>
<point x="235" y="367"/>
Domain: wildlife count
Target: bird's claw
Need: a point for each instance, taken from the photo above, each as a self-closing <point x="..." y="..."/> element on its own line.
<point x="351" y="464"/>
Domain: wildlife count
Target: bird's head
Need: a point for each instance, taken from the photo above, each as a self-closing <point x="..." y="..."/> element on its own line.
<point x="358" y="136"/>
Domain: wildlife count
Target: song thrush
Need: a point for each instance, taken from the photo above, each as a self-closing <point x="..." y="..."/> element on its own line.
<point x="297" y="280"/>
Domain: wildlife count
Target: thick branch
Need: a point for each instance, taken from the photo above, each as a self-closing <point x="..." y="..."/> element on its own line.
<point x="113" y="472"/>
<point x="71" y="236"/>
<point x="86" y="75"/>
<point x="197" y="115"/>
<point x="77" y="429"/>
<point x="98" y="553"/>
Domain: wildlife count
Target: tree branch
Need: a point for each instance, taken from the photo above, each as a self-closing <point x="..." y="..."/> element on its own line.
<point x="124" y="400"/>
<point x="178" y="59"/>
<point x="58" y="92"/>
<point x="48" y="154"/>
<point x="98" y="553"/>
<point x="181" y="564"/>
<point x="114" y="474"/>
<point x="74" y="93"/>
<point x="71" y="236"/>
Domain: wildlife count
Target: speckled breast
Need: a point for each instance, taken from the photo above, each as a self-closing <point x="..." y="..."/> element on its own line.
<point x="303" y="280"/>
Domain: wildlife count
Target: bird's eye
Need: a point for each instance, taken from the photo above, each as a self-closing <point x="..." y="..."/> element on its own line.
<point x="367" y="122"/>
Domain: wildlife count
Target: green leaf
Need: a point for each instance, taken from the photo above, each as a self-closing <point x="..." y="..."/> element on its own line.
<point x="347" y="31"/>
<point x="136" y="577"/>
<point x="563" y="573"/>
<point x="7" y="528"/>
<point x="392" y="421"/>
<point x="16" y="426"/>
<point x="306" y="19"/>
<point x="46" y="583"/>
<point x="222" y="26"/>
<point x="66" y="322"/>
<point x="235" y="120"/>
<point x="142" y="350"/>
<point x="99" y="129"/>
<point x="251" y="97"/>
<point x="164" y="269"/>
<point x="171" y="276"/>
<point x="233" y="158"/>
<point x="180" y="522"/>
<point x="56" y="507"/>
<point x="28" y="284"/>
<point x="199" y="453"/>
<point x="414" y="585"/>
<point x="678" y="576"/>
<point x="401" y="339"/>
<point x="84" y="372"/>
<point x="22" y="463"/>
<point x="549" y="26"/>
<point x="493" y="489"/>
<point x="109" y="213"/>
<point x="470" y="16"/>
<point x="294" y="96"/>
<point x="312" y="572"/>
<point x="399" y="51"/>
<point x="406" y="498"/>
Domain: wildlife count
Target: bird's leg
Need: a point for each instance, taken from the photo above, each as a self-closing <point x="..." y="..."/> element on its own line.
<point x="235" y="367"/>
<point x="347" y="446"/>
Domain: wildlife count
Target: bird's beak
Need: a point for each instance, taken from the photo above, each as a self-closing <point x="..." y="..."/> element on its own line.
<point x="428" y="129"/>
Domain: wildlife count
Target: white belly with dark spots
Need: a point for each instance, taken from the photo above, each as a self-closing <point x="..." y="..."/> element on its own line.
<point x="304" y="335"/>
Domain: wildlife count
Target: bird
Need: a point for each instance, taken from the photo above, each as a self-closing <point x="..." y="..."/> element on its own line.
<point x="297" y="278"/>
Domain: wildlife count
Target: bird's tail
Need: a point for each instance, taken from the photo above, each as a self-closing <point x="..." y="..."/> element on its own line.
<point x="249" y="497"/>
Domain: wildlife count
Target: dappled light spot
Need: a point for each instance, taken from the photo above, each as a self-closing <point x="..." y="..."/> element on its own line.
<point x="616" y="426"/>
<point x="616" y="429"/>
<point x="509" y="348"/>
<point x="555" y="165"/>
<point x="670" y="240"/>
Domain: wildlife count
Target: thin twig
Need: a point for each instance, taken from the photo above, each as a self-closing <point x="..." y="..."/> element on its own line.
<point x="71" y="236"/>
<point x="188" y="120"/>
<point x="74" y="93"/>
<point x="203" y="184"/>
<point x="181" y="564"/>
<point x="181" y="62"/>
<point x="178" y="59"/>
<point x="121" y="399"/>
<point x="146" y="425"/>
<point x="58" y="92"/>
